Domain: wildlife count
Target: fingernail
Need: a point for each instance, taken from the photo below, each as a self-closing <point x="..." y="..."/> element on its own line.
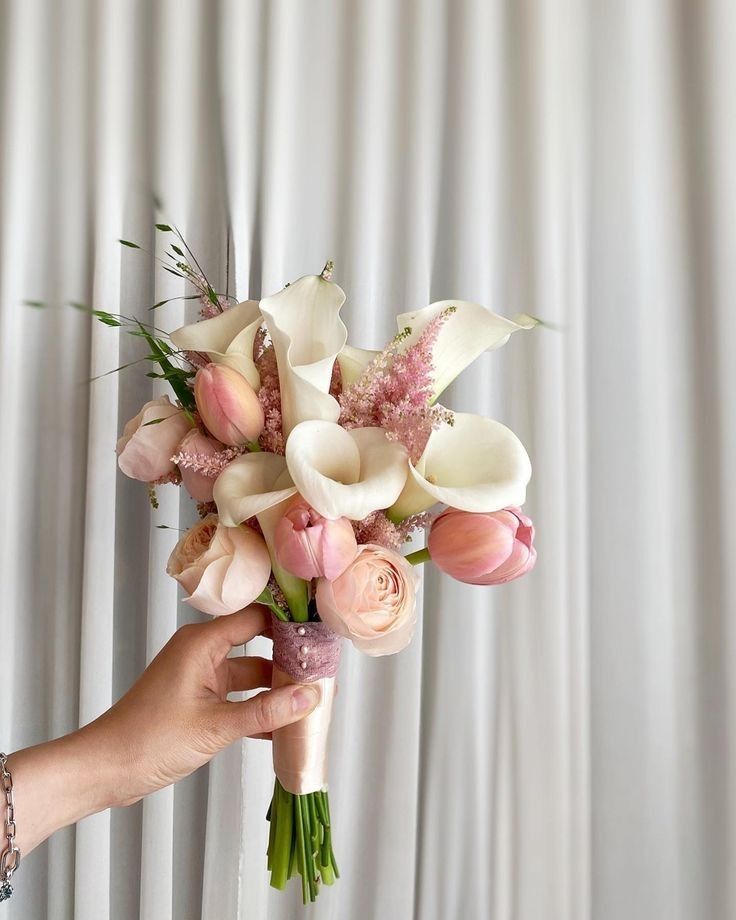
<point x="305" y="698"/>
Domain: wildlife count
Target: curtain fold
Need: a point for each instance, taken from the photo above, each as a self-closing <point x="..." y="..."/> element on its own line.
<point x="559" y="747"/>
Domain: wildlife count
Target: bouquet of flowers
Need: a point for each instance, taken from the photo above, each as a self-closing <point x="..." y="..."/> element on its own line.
<point x="312" y="462"/>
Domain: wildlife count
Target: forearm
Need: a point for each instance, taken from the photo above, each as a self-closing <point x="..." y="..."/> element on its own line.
<point x="60" y="782"/>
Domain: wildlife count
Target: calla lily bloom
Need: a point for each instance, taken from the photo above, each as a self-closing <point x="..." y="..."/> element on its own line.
<point x="345" y="472"/>
<point x="304" y="323"/>
<point x="353" y="361"/>
<point x="339" y="472"/>
<point x="226" y="339"/>
<point x="476" y="464"/>
<point x="471" y="330"/>
<point x="250" y="485"/>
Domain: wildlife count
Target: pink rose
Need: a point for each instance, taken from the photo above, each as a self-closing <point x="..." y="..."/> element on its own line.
<point x="309" y="545"/>
<point x="199" y="447"/>
<point x="483" y="548"/>
<point x="228" y="405"/>
<point x="223" y="569"/>
<point x="149" y="440"/>
<point x="373" y="602"/>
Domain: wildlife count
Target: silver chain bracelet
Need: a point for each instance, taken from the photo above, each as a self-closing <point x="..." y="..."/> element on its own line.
<point x="10" y="858"/>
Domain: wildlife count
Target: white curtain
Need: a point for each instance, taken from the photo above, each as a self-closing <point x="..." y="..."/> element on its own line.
<point x="558" y="748"/>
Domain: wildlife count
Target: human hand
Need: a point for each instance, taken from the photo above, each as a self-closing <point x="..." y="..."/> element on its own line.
<point x="174" y="719"/>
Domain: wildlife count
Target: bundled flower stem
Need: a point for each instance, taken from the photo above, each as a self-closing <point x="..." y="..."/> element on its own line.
<point x="300" y="840"/>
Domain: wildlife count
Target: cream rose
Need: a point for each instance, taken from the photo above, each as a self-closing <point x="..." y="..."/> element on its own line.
<point x="373" y="603"/>
<point x="150" y="440"/>
<point x="223" y="569"/>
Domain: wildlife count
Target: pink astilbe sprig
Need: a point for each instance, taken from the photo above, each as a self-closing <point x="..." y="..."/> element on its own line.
<point x="210" y="309"/>
<point x="377" y="528"/>
<point x="395" y="391"/>
<point x="210" y="465"/>
<point x="212" y="303"/>
<point x="269" y="394"/>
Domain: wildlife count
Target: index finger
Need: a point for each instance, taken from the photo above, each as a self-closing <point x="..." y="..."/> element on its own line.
<point x="239" y="628"/>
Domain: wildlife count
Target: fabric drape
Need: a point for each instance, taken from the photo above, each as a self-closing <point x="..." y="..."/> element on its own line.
<point x="560" y="747"/>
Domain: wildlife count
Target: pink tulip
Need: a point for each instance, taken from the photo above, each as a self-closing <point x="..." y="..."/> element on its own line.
<point x="483" y="549"/>
<point x="228" y="405"/>
<point x="199" y="447"/>
<point x="311" y="546"/>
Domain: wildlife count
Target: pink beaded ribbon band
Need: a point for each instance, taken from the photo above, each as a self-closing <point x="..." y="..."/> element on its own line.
<point x="305" y="651"/>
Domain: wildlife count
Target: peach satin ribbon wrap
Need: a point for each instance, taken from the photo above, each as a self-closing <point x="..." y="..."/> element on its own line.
<point x="300" y="750"/>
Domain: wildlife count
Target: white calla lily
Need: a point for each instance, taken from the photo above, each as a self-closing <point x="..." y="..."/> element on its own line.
<point x="345" y="472"/>
<point x="304" y="323"/>
<point x="250" y="485"/>
<point x="226" y="339"/>
<point x="466" y="334"/>
<point x="476" y="464"/>
<point x="353" y="361"/>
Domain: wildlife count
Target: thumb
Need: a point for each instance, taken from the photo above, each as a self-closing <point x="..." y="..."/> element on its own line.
<point x="272" y="709"/>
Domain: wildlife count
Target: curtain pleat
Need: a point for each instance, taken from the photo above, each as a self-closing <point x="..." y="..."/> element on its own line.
<point x="559" y="747"/>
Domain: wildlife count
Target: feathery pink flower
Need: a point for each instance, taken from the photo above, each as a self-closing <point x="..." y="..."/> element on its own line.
<point x="206" y="464"/>
<point x="269" y="395"/>
<point x="395" y="390"/>
<point x="377" y="528"/>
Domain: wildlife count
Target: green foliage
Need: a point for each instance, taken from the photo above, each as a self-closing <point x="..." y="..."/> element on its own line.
<point x="177" y="377"/>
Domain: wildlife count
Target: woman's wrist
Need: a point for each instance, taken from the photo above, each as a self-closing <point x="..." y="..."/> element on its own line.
<point x="60" y="782"/>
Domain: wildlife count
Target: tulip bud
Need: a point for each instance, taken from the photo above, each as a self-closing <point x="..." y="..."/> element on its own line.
<point x="311" y="546"/>
<point x="197" y="446"/>
<point x="483" y="549"/>
<point x="228" y="405"/>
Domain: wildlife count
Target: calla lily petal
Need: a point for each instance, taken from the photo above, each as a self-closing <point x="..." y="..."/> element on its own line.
<point x="353" y="361"/>
<point x="345" y="472"/>
<point x="226" y="339"/>
<point x="307" y="333"/>
<point x="249" y="485"/>
<point x="476" y="464"/>
<point x="466" y="334"/>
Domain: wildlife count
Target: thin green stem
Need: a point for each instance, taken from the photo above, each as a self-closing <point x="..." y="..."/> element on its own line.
<point x="301" y="856"/>
<point x="282" y="840"/>
<point x="418" y="557"/>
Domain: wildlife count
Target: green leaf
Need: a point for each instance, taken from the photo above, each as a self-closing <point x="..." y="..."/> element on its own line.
<point x="176" y="376"/>
<point x="34" y="303"/>
<point x="164" y="227"/>
<point x="106" y="319"/>
<point x="178" y="251"/>
<point x="115" y="370"/>
<point x="80" y="306"/>
<point x="155" y="421"/>
<point x="129" y="244"/>
<point x="170" y="299"/>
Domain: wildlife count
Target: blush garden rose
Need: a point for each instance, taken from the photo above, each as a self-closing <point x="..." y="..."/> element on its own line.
<point x="222" y="569"/>
<point x="373" y="602"/>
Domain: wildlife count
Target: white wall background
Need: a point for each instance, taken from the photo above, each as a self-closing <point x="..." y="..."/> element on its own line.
<point x="560" y="748"/>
